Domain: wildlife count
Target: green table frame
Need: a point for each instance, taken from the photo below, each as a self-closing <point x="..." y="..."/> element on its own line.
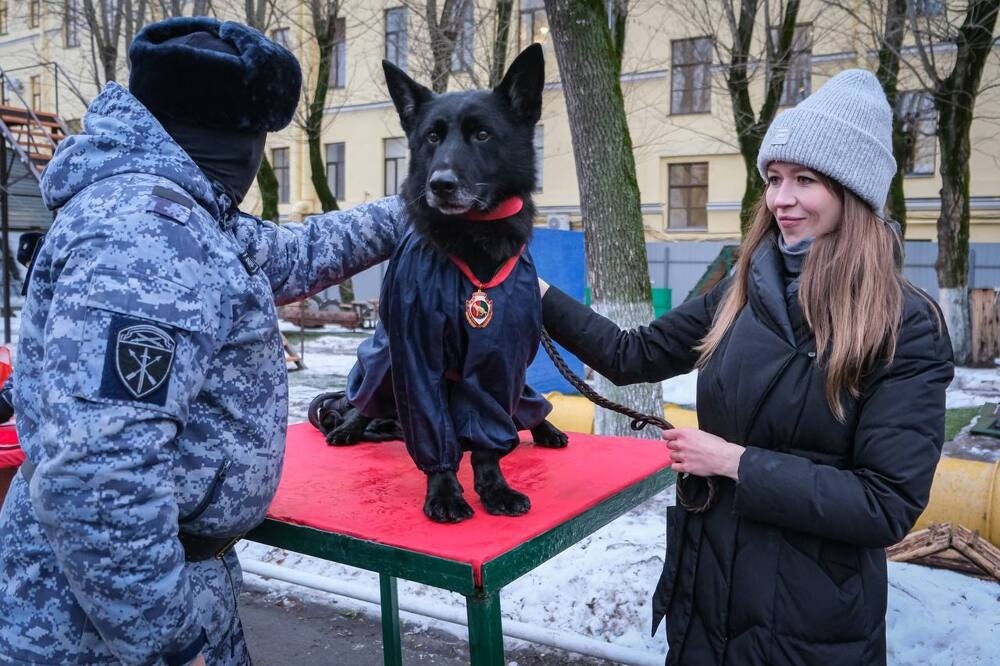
<point x="482" y="601"/>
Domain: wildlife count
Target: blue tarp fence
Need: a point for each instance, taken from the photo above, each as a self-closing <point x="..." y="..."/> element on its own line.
<point x="559" y="259"/>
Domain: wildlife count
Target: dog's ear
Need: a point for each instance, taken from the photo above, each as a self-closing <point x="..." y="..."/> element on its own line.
<point x="522" y="84"/>
<point x="407" y="94"/>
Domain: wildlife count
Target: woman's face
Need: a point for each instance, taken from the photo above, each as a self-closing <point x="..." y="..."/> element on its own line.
<point x="801" y="203"/>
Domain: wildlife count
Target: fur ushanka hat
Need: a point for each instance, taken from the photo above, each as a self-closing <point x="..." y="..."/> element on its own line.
<point x="201" y="71"/>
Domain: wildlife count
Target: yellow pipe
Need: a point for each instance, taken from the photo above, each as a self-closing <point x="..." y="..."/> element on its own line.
<point x="574" y="413"/>
<point x="965" y="492"/>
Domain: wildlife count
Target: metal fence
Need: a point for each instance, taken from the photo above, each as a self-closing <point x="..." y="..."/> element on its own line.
<point x="679" y="265"/>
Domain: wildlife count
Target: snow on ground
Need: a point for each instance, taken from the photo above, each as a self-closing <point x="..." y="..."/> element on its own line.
<point x="601" y="586"/>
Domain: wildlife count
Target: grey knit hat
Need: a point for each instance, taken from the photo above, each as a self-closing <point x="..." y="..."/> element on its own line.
<point x="844" y="131"/>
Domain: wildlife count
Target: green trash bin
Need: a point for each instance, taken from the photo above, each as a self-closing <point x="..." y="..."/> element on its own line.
<point x="662" y="300"/>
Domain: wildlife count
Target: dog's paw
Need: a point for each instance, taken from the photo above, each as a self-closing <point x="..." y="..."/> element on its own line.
<point x="343" y="436"/>
<point x="505" y="501"/>
<point x="547" y="435"/>
<point x="447" y="509"/>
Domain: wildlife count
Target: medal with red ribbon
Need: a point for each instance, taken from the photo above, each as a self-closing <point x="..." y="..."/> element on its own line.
<point x="479" y="307"/>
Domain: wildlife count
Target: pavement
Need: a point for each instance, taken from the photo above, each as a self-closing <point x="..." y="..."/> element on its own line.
<point x="282" y="630"/>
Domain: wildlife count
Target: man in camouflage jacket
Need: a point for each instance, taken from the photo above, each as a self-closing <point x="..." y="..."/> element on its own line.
<point x="151" y="387"/>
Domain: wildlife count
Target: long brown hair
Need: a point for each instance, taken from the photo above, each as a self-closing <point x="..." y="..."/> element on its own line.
<point x="851" y="294"/>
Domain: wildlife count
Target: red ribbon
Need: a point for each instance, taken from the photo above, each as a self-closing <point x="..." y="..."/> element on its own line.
<point x="502" y="274"/>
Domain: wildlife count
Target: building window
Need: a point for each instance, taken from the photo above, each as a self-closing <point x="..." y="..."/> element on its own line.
<point x="282" y="36"/>
<point x="798" y="78"/>
<point x="395" y="37"/>
<point x="34" y="13"/>
<point x="534" y="23"/>
<point x="335" y="169"/>
<point x="688" y="196"/>
<point x="338" y="56"/>
<point x="461" y="57"/>
<point x="916" y="110"/>
<point x="3" y="17"/>
<point x="396" y="158"/>
<point x="925" y="8"/>
<point x="691" y="75"/>
<point x="539" y="144"/>
<point x="36" y="92"/>
<point x="71" y="25"/>
<point x="279" y="163"/>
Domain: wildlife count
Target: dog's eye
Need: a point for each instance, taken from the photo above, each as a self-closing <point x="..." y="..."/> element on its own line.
<point x="482" y="135"/>
<point x="433" y="137"/>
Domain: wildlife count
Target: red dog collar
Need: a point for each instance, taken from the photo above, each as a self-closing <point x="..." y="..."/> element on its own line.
<point x="507" y="208"/>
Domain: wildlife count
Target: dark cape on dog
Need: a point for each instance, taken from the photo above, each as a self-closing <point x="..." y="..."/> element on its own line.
<point x="484" y="399"/>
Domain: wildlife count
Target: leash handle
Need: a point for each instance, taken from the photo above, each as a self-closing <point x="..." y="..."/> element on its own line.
<point x="685" y="482"/>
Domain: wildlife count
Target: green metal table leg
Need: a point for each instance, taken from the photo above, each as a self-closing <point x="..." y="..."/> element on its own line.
<point x="485" y="629"/>
<point x="392" y="647"/>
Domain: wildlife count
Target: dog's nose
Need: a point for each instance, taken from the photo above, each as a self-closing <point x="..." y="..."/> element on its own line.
<point x="444" y="182"/>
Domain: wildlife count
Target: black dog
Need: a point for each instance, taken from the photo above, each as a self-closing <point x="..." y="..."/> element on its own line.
<point x="458" y="342"/>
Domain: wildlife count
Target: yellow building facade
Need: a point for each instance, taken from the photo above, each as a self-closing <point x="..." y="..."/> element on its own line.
<point x="689" y="171"/>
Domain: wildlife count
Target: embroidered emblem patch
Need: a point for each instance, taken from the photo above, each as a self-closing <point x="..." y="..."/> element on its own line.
<point x="143" y="355"/>
<point x="781" y="136"/>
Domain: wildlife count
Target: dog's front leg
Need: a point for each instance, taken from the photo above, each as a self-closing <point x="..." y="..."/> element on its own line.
<point x="444" y="502"/>
<point x="497" y="496"/>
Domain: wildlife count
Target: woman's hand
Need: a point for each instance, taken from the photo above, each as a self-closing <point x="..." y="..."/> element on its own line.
<point x="702" y="454"/>
<point x="543" y="286"/>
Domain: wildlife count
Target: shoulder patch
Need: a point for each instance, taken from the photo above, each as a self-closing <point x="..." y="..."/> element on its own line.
<point x="169" y="203"/>
<point x="137" y="361"/>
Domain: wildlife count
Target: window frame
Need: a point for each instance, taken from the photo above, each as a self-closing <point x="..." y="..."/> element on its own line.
<point x="786" y="99"/>
<point x="924" y="113"/>
<point x="397" y="162"/>
<point x="338" y="56"/>
<point x="686" y="187"/>
<point x="530" y="9"/>
<point x="337" y="188"/>
<point x="399" y="61"/>
<point x="690" y="66"/>
<point x="35" y="91"/>
<point x="71" y="24"/>
<point x="34" y="13"/>
<point x="282" y="173"/>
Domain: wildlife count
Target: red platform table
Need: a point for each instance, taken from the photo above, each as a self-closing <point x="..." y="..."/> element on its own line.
<point x="363" y="506"/>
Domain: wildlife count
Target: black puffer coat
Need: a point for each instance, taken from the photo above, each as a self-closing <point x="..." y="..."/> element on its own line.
<point x="788" y="567"/>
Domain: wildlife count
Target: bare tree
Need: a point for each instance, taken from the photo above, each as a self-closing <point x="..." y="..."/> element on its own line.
<point x="258" y="14"/>
<point x="955" y="85"/>
<point x="590" y="66"/>
<point x="442" y="43"/>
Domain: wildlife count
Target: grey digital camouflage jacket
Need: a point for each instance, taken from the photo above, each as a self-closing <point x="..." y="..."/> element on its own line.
<point x="150" y="391"/>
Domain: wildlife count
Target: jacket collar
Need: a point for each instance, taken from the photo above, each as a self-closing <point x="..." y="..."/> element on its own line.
<point x="766" y="290"/>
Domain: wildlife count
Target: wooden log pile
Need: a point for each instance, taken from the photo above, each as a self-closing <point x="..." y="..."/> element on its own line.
<point x="949" y="546"/>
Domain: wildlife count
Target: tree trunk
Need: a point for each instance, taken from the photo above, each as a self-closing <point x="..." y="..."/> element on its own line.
<point x="443" y="33"/>
<point x="501" y="41"/>
<point x="890" y="48"/>
<point x="268" y="184"/>
<point x="955" y="99"/>
<point x="953" y="226"/>
<point x="751" y="127"/>
<point x="609" y="194"/>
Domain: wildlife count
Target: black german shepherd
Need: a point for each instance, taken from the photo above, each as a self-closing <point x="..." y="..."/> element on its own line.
<point x="470" y="154"/>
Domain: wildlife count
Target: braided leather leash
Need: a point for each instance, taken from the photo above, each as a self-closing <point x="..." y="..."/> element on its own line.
<point x="639" y="421"/>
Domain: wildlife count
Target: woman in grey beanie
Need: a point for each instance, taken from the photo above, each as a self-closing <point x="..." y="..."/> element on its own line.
<point x="821" y="399"/>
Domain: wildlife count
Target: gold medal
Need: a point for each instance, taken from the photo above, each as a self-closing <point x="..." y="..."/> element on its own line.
<point x="478" y="309"/>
